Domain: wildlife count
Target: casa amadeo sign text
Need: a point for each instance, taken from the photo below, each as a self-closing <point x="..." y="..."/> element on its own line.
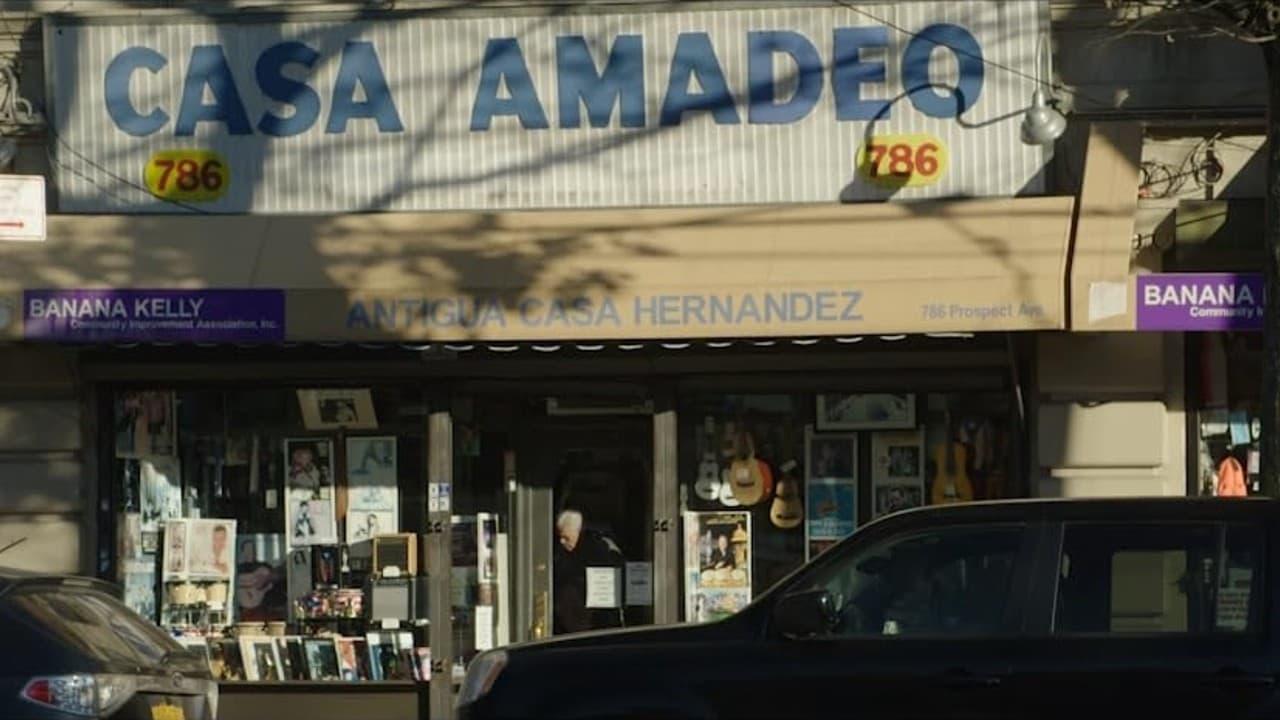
<point x="789" y="104"/>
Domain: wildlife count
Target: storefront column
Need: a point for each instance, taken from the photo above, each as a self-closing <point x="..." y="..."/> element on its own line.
<point x="666" y="511"/>
<point x="439" y="558"/>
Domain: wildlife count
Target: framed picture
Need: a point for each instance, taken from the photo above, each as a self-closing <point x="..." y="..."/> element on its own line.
<point x="876" y="411"/>
<point x="326" y="566"/>
<point x="144" y="424"/>
<point x="888" y="499"/>
<point x="898" y="457"/>
<point x="225" y="660"/>
<point x="348" y="664"/>
<point x="261" y="660"/>
<point x="337" y="409"/>
<point x="209" y="544"/>
<point x="287" y="669"/>
<point x="373" y="498"/>
<point x="298" y="578"/>
<point x="717" y="563"/>
<point x="174" y="557"/>
<point x="384" y="656"/>
<point x="261" y="587"/>
<point x="140" y="586"/>
<point x="322" y="659"/>
<point x="297" y="658"/>
<point x="309" y="492"/>
<point x="831" y="489"/>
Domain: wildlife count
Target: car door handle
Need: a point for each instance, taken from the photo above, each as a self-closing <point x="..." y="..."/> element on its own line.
<point x="960" y="679"/>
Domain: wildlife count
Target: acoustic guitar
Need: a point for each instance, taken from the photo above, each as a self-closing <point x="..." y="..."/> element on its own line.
<point x="750" y="478"/>
<point x="707" y="487"/>
<point x="725" y="493"/>
<point x="787" y="511"/>
<point x="952" y="483"/>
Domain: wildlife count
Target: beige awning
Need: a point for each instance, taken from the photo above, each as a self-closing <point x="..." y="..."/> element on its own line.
<point x="798" y="271"/>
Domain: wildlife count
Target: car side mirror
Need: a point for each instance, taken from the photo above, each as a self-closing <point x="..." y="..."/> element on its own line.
<point x="808" y="613"/>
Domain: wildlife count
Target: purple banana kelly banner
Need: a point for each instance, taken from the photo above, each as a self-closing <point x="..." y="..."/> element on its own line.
<point x="1200" y="301"/>
<point x="169" y="316"/>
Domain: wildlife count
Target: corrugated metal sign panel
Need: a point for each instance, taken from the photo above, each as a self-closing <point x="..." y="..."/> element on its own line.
<point x="298" y="113"/>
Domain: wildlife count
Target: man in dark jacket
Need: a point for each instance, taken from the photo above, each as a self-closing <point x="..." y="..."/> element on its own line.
<point x="576" y="550"/>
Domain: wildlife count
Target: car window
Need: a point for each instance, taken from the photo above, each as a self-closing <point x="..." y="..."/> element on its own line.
<point x="93" y="623"/>
<point x="952" y="581"/>
<point x="1157" y="579"/>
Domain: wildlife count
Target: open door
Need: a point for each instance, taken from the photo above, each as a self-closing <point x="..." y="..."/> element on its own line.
<point x="595" y="476"/>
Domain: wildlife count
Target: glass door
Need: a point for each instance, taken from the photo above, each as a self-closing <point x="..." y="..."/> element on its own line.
<point x="583" y="513"/>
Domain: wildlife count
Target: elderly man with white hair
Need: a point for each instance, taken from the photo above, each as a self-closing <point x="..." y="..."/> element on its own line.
<point x="577" y="549"/>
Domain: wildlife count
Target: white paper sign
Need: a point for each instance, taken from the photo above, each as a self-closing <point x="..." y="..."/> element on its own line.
<point x="484" y="627"/>
<point x="602" y="587"/>
<point x="1233" y="600"/>
<point x="639" y="583"/>
<point x="22" y="208"/>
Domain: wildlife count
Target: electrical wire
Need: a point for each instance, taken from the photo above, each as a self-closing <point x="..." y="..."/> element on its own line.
<point x="1052" y="86"/>
<point x="55" y="162"/>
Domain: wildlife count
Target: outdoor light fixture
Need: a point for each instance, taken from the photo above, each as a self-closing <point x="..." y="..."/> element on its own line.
<point x="1042" y="123"/>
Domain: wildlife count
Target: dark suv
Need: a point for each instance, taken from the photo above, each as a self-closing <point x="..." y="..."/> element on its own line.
<point x="71" y="650"/>
<point x="1022" y="609"/>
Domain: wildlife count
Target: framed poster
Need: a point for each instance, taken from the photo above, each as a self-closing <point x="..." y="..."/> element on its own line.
<point x="897" y="471"/>
<point x="261" y="588"/>
<point x="140" y="587"/>
<point x="309" y="492"/>
<point x="209" y="544"/>
<point x="717" y="564"/>
<point x="831" y="489"/>
<point x="322" y="658"/>
<point x="174" y="557"/>
<point x="145" y="425"/>
<point x="261" y="659"/>
<point x="337" y="409"/>
<point x="373" y="493"/>
<point x="161" y="490"/>
<point x="875" y="411"/>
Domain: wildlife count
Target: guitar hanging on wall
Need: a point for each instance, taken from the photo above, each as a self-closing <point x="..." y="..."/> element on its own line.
<point x="728" y="451"/>
<point x="750" y="478"/>
<point x="787" y="511"/>
<point x="951" y="483"/>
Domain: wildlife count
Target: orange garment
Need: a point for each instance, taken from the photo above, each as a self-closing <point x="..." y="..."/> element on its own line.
<point x="1231" y="478"/>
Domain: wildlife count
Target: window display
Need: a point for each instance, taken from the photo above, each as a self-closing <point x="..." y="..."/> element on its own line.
<point x="264" y="527"/>
<point x="802" y="472"/>
<point x="1227" y="371"/>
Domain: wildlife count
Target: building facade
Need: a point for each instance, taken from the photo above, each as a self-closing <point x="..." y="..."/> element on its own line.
<point x="716" y="284"/>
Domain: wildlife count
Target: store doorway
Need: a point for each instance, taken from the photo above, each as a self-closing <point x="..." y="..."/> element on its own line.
<point x="584" y="498"/>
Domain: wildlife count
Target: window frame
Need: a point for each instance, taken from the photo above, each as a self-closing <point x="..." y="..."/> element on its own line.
<point x="1012" y="624"/>
<point x="1042" y="622"/>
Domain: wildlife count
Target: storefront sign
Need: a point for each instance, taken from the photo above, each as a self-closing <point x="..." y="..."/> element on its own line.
<point x="1200" y="301"/>
<point x="230" y="316"/>
<point x="736" y="312"/>
<point x="779" y="105"/>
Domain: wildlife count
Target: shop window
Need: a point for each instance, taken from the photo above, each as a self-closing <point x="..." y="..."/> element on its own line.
<point x="275" y="528"/>
<point x="769" y="481"/>
<point x="1158" y="579"/>
<point x="1226" y="372"/>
